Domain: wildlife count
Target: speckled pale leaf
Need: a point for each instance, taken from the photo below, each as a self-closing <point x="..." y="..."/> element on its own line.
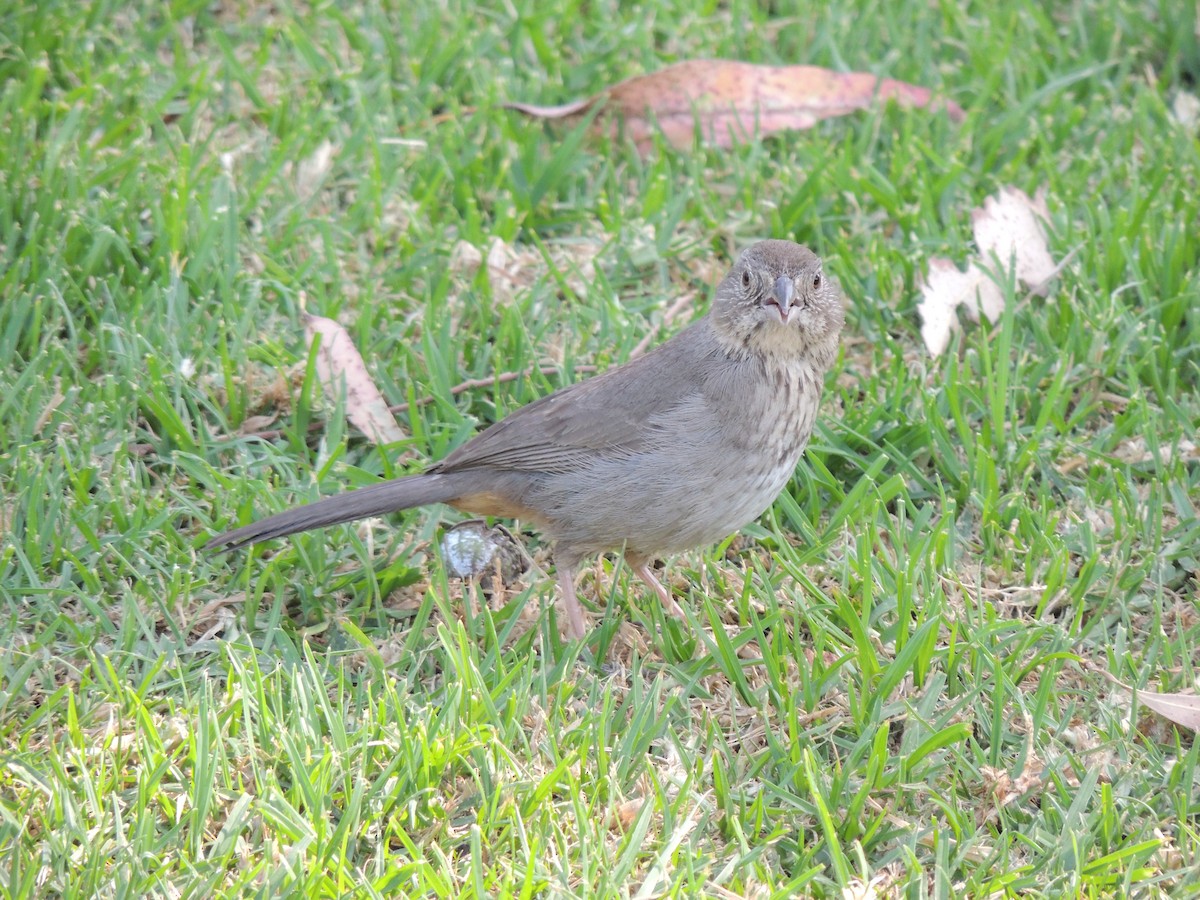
<point x="734" y="102"/>
<point x="1009" y="228"/>
<point x="338" y="360"/>
<point x="944" y="290"/>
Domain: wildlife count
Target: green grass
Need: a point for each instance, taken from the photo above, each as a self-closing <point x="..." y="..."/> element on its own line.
<point x="895" y="676"/>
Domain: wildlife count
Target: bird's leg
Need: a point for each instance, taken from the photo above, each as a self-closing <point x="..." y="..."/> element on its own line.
<point x="644" y="572"/>
<point x="576" y="624"/>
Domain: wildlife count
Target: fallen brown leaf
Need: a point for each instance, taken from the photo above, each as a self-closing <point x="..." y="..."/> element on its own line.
<point x="733" y="102"/>
<point x="339" y="360"/>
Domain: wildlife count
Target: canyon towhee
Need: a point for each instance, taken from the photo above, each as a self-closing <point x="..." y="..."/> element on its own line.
<point x="674" y="450"/>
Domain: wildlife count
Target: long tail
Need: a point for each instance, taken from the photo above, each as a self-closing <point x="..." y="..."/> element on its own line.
<point x="375" y="500"/>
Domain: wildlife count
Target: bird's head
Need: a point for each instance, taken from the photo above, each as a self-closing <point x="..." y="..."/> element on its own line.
<point x="778" y="300"/>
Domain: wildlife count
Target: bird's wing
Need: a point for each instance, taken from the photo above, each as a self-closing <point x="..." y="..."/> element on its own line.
<point x="609" y="416"/>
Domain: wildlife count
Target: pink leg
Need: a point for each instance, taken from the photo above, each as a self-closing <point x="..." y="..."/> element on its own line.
<point x="645" y="573"/>
<point x="576" y="624"/>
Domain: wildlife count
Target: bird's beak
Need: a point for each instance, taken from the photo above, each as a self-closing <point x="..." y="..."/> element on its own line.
<point x="782" y="295"/>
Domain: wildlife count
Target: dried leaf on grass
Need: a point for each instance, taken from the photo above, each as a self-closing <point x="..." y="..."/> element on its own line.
<point x="512" y="268"/>
<point x="338" y="360"/>
<point x="858" y="888"/>
<point x="1182" y="709"/>
<point x="621" y="818"/>
<point x="944" y="290"/>
<point x="217" y="617"/>
<point x="51" y="405"/>
<point x="1008" y="232"/>
<point x="732" y="102"/>
<point x="256" y="424"/>
<point x="1185" y="109"/>
<point x="314" y="168"/>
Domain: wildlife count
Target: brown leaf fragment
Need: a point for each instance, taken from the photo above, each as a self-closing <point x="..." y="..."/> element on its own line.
<point x="625" y="814"/>
<point x="255" y="424"/>
<point x="734" y="102"/>
<point x="51" y="405"/>
<point x="338" y="360"/>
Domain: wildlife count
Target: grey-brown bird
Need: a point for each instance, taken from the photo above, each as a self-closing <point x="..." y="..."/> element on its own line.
<point x="674" y="450"/>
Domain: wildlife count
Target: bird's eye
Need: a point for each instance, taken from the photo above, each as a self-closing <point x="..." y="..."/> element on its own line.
<point x="745" y="278"/>
<point x="817" y="280"/>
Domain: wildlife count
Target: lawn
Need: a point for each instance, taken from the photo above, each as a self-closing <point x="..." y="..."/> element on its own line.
<point x="898" y="682"/>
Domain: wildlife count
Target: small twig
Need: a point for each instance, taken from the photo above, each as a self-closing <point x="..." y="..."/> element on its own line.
<point x="274" y="434"/>
<point x="503" y="378"/>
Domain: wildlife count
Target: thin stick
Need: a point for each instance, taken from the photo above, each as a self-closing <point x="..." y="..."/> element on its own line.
<point x="503" y="378"/>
